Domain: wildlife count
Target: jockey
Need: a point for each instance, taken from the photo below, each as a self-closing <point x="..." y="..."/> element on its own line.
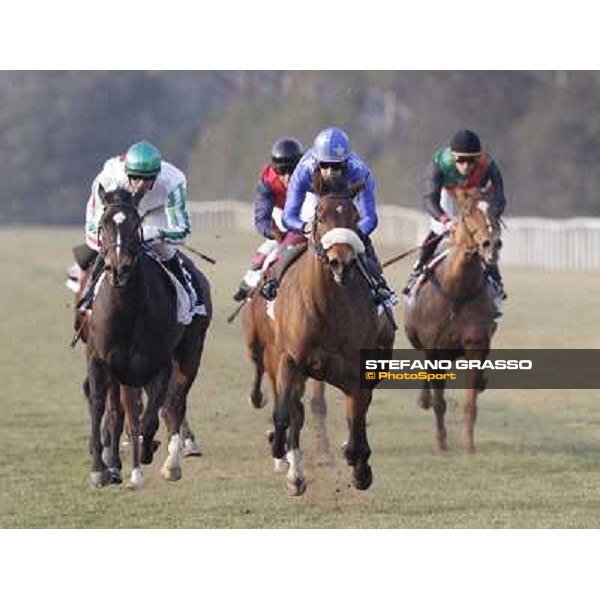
<point x="332" y="155"/>
<point x="165" y="218"/>
<point x="461" y="165"/>
<point x="270" y="198"/>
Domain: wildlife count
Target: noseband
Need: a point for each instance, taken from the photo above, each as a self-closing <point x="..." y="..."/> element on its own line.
<point x="336" y="235"/>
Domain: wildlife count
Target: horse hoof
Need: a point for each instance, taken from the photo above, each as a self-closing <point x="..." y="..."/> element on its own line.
<point x="115" y="476"/>
<point x="281" y="465"/>
<point x="171" y="473"/>
<point x="297" y="487"/>
<point x="258" y="400"/>
<point x="363" y="477"/>
<point x="148" y="453"/>
<point x="99" y="478"/>
<point x="424" y="402"/>
<point x="137" y="480"/>
<point x="191" y="448"/>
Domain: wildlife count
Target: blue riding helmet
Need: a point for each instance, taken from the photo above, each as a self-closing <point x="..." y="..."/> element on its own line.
<point x="331" y="145"/>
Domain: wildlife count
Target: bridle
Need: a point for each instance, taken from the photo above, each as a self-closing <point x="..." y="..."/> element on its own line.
<point x="316" y="241"/>
<point x="134" y="245"/>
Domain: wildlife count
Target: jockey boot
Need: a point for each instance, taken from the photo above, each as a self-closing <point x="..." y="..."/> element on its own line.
<point x="85" y="303"/>
<point x="428" y="248"/>
<point x="269" y="289"/>
<point x="248" y="283"/>
<point x="174" y="265"/>
<point x="496" y="278"/>
<point x="384" y="293"/>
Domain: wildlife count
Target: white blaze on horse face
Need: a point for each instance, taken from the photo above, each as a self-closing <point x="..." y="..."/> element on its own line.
<point x="118" y="219"/>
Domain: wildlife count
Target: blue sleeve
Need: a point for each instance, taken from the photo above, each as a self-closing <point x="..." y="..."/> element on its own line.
<point x="365" y="203"/>
<point x="263" y="209"/>
<point x="300" y="183"/>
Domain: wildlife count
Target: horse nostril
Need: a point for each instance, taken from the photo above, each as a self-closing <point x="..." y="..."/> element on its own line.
<point x="498" y="244"/>
<point x="335" y="263"/>
<point x="486" y="244"/>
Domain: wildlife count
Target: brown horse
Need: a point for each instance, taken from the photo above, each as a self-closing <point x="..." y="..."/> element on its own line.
<point x="259" y="331"/>
<point x="324" y="315"/>
<point x="134" y="340"/>
<point x="452" y="313"/>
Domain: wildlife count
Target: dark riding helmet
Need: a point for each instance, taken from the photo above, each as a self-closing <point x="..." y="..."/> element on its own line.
<point x="465" y="143"/>
<point x="285" y="154"/>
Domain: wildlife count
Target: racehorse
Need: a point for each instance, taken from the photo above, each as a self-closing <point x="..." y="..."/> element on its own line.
<point x="259" y="331"/>
<point x="134" y="340"/>
<point x="190" y="444"/>
<point x="324" y="315"/>
<point x="452" y="313"/>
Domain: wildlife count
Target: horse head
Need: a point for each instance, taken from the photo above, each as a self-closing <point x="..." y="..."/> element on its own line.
<point x="120" y="234"/>
<point x="477" y="230"/>
<point x="335" y="226"/>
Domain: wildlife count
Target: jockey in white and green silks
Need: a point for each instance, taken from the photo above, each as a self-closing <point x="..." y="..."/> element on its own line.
<point x="165" y="219"/>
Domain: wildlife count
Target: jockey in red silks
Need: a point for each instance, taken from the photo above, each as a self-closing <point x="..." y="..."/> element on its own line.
<point x="271" y="193"/>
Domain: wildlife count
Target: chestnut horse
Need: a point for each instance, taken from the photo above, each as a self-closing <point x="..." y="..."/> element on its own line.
<point x="259" y="331"/>
<point x="452" y="313"/>
<point x="324" y="316"/>
<point x="134" y="340"/>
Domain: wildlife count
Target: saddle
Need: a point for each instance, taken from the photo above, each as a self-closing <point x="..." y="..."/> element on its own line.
<point x="287" y="257"/>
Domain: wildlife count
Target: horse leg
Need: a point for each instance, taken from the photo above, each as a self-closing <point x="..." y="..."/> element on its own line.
<point x="475" y="383"/>
<point x="114" y="428"/>
<point x="470" y="415"/>
<point x="280" y="465"/>
<point x="255" y="351"/>
<point x="156" y="391"/>
<point x="424" y="400"/>
<point x="173" y="415"/>
<point x="289" y="412"/>
<point x="130" y="400"/>
<point x="357" y="450"/>
<point x="296" y="482"/>
<point x="190" y="445"/>
<point x="99" y="475"/>
<point x="281" y="411"/>
<point x="439" y="407"/>
<point x="319" y="414"/>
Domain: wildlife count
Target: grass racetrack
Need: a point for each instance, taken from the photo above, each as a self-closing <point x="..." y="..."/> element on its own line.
<point x="538" y="459"/>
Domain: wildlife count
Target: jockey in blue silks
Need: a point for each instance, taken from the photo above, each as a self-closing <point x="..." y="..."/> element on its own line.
<point x="332" y="155"/>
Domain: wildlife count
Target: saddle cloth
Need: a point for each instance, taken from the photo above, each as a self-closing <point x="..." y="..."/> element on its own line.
<point x="188" y="304"/>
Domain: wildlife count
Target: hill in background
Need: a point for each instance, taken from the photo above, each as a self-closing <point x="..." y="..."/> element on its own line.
<point x="59" y="127"/>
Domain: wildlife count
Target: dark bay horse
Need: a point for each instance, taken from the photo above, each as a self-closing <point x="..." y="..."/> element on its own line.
<point x="324" y="315"/>
<point x="452" y="313"/>
<point x="134" y="341"/>
<point x="117" y="396"/>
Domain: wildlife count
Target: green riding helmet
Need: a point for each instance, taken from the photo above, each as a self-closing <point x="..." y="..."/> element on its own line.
<point x="142" y="160"/>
